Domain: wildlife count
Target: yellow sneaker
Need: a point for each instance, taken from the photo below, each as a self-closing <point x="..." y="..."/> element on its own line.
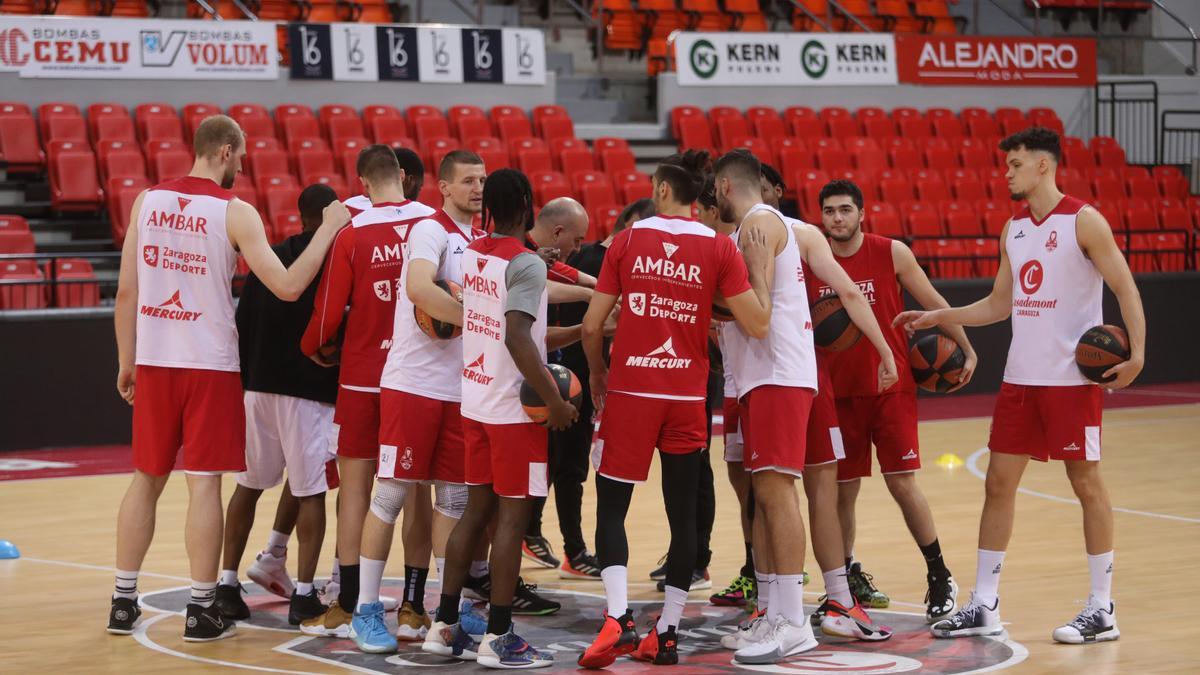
<point x="413" y="626"/>
<point x="335" y="622"/>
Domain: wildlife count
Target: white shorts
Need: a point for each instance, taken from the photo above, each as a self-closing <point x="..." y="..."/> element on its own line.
<point x="287" y="431"/>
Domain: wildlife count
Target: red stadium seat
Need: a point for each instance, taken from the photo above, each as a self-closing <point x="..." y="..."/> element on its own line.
<point x="1011" y="120"/>
<point x="289" y="111"/>
<point x="694" y="133"/>
<point x="119" y="159"/>
<point x="158" y="122"/>
<point x="298" y="128"/>
<point x="869" y="159"/>
<point x="582" y="178"/>
<point x="15" y="223"/>
<point x="430" y="195"/>
<point x="268" y="162"/>
<point x="1170" y="251"/>
<point x="895" y="190"/>
<point x="793" y="160"/>
<point x="558" y="127"/>
<point x="71" y="287"/>
<point x="1138" y="214"/>
<point x="373" y="112"/>
<point x="833" y="159"/>
<point x="808" y="185"/>
<point x="530" y="160"/>
<point x="390" y="131"/>
<point x="48" y="111"/>
<point x="730" y="128"/>
<point x="542" y="113"/>
<point x="428" y="128"/>
<point x="469" y="128"/>
<point x="947" y="127"/>
<point x="20" y="150"/>
<point x="941" y="158"/>
<point x="1107" y="151"/>
<point x="1046" y="117"/>
<point x="74" y="181"/>
<point x="987" y="256"/>
<point x="335" y="183"/>
<point x="1171" y="181"/>
<point x="109" y="120"/>
<point x="983" y="126"/>
<point x="1108" y="187"/>
<point x="601" y="220"/>
<point x="284" y="225"/>
<point x="512" y="128"/>
<point x="504" y="111"/>
<point x="921" y="219"/>
<point x="932" y="189"/>
<point x="877" y="127"/>
<point x="549" y="185"/>
<point x="314" y="162"/>
<point x="994" y="215"/>
<point x="904" y="113"/>
<point x="195" y="113"/>
<point x="960" y="219"/>
<point x="522" y="144"/>
<point x="1140" y="185"/>
<point x="841" y="127"/>
<point x="120" y="194"/>
<point x="631" y="186"/>
<point x="915" y="128"/>
<point x="25" y="288"/>
<point x="65" y="128"/>
<point x="612" y="160"/>
<point x="14" y="108"/>
<point x="435" y="150"/>
<point x="456" y="113"/>
<point x="16" y="242"/>
<point x="572" y="160"/>
<point x="1172" y="214"/>
<point x="882" y="219"/>
<point x="679" y="113"/>
<point x="968" y="188"/>
<point x="757" y="146"/>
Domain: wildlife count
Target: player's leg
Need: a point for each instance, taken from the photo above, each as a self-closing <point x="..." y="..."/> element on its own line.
<point x="310" y="529"/>
<point x="706" y="515"/>
<point x="574" y="449"/>
<point x="847" y="514"/>
<point x="447" y="635"/>
<point x="535" y="547"/>
<point x="367" y="628"/>
<point x="618" y="635"/>
<point x="239" y="519"/>
<point x="743" y="590"/>
<point x="417" y="535"/>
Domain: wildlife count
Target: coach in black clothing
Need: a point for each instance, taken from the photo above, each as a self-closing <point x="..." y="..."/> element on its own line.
<point x="289" y="413"/>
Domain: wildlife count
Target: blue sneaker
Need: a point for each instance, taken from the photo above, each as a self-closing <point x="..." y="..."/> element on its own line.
<point x="369" y="631"/>
<point x="511" y="651"/>
<point x="472" y="618"/>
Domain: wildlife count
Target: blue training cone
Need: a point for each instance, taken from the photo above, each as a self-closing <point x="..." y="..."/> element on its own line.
<point x="8" y="550"/>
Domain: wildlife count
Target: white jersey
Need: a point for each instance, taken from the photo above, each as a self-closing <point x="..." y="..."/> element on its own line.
<point x="185" y="306"/>
<point x="786" y="356"/>
<point x="417" y="363"/>
<point x="730" y="390"/>
<point x="1057" y="294"/>
<point x="491" y="383"/>
<point x="357" y="204"/>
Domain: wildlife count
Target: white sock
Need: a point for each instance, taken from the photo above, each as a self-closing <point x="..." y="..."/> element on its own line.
<point x="764" y="590"/>
<point x="838" y="588"/>
<point x="228" y="578"/>
<point x="277" y="544"/>
<point x="126" y="585"/>
<point x="987" y="576"/>
<point x="479" y="568"/>
<point x="790" y="597"/>
<point x="1100" y="568"/>
<point x="440" y="564"/>
<point x="335" y="577"/>
<point x="370" y="576"/>
<point x="303" y="588"/>
<point x="672" y="609"/>
<point x="616" y="588"/>
<point x="204" y="592"/>
<point x="773" y="590"/>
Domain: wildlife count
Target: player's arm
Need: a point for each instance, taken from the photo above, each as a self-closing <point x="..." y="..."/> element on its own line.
<point x="526" y="284"/>
<point x="816" y="252"/>
<point x="585" y="280"/>
<point x="421" y="285"/>
<point x="1096" y="239"/>
<point x="333" y="294"/>
<point x="760" y="241"/>
<point x="592" y="336"/>
<point x="558" y="337"/>
<point x="247" y="235"/>
<point x="125" y="312"/>
<point x="913" y="279"/>
<point x="559" y="292"/>
<point x="994" y="307"/>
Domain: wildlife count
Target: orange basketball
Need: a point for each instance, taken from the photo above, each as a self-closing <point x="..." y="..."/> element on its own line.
<point x="832" y="327"/>
<point x="1101" y="348"/>
<point x="439" y="330"/>
<point x="936" y="362"/>
<point x="568" y="387"/>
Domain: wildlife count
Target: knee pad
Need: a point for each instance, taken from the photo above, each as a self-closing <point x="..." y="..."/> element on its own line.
<point x="389" y="499"/>
<point x="450" y="499"/>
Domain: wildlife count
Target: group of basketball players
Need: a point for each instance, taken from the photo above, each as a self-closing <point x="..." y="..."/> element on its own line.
<point x="434" y="324"/>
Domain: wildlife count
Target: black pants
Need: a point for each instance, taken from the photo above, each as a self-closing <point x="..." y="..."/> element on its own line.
<point x="570" y="452"/>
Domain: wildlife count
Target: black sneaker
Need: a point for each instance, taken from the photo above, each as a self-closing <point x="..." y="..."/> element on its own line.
<point x="205" y="624"/>
<point x="700" y="581"/>
<point x="974" y="618"/>
<point x="229" y="602"/>
<point x="659" y="573"/>
<point x="942" y="597"/>
<point x="478" y="588"/>
<point x="528" y="603"/>
<point x="123" y="617"/>
<point x="582" y="566"/>
<point x="862" y="586"/>
<point x="304" y="607"/>
<point x="537" y="549"/>
<point x="666" y="652"/>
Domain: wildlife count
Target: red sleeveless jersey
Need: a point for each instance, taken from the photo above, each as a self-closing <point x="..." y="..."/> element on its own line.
<point x="855" y="371"/>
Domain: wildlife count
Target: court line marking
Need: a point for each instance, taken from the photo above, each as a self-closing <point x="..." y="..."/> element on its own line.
<point x="973" y="467"/>
<point x="140" y="634"/>
<point x="100" y="568"/>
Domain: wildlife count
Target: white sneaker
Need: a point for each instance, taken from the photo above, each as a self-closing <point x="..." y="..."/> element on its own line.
<point x="785" y="639"/>
<point x="974" y="618"/>
<point x="271" y="573"/>
<point x="1094" y="624"/>
<point x="747" y="634"/>
<point x="330" y="593"/>
<point x="439" y="639"/>
<point x="389" y="603"/>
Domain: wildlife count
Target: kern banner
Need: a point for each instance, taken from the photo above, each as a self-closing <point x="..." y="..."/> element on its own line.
<point x="51" y="47"/>
<point x="1003" y="61"/>
<point x="417" y="53"/>
<point x="788" y="59"/>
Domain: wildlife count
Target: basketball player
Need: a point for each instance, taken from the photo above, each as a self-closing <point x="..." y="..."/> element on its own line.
<point x="776" y="379"/>
<point x="414" y="179"/>
<point x="505" y="338"/>
<point x="289" y="408"/>
<point x="362" y="271"/>
<point x="1056" y="255"/>
<point x="882" y="267"/>
<point x="668" y="269"/>
<point x="420" y="435"/>
<point x="177" y="339"/>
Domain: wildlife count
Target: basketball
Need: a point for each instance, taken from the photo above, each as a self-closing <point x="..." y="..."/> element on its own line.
<point x="439" y="330"/>
<point x="1101" y="348"/>
<point x="568" y="386"/>
<point x="832" y="327"/>
<point x="720" y="311"/>
<point x="936" y="363"/>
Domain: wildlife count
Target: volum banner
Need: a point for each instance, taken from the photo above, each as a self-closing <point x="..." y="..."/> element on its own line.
<point x="53" y="47"/>
<point x="1012" y="61"/>
<point x="787" y="59"/>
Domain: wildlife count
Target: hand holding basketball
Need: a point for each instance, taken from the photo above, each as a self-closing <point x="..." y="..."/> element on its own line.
<point x="968" y="370"/>
<point x="125" y="384"/>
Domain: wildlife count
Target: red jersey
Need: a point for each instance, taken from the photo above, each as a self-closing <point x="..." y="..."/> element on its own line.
<point x="362" y="270"/>
<point x="855" y="371"/>
<point x="668" y="270"/>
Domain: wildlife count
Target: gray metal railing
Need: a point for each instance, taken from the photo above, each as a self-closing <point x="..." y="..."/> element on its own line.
<point x="1128" y="111"/>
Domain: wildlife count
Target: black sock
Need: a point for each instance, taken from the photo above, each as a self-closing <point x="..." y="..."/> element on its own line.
<point x="933" y="557"/>
<point x="414" y="587"/>
<point x="448" y="609"/>
<point x="748" y="567"/>
<point x="499" y="619"/>
<point x="348" y="594"/>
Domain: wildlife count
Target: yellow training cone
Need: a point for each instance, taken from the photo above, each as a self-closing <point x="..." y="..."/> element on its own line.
<point x="949" y="460"/>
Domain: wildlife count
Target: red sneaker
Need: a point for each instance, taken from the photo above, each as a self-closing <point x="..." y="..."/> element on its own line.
<point x="659" y="648"/>
<point x="617" y="637"/>
<point x="851" y="623"/>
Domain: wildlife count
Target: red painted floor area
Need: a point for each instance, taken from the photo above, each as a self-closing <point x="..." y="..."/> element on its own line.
<point x="106" y="459"/>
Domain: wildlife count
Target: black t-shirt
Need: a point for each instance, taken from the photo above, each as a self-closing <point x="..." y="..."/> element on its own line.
<point x="269" y="332"/>
<point x="588" y="259"/>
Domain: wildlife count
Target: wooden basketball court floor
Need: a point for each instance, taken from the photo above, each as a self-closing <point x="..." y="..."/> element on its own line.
<point x="55" y="597"/>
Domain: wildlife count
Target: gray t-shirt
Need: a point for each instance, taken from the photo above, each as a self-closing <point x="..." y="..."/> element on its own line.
<point x="526" y="281"/>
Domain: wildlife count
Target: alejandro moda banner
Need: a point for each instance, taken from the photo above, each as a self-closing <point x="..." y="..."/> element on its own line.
<point x="795" y="59"/>
<point x="417" y="53"/>
<point x="1011" y="61"/>
<point x="53" y="47"/>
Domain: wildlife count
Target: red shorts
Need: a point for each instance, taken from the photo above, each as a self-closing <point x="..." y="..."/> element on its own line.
<point x="889" y="421"/>
<point x="356" y="424"/>
<point x="631" y="427"/>
<point x="1048" y="422"/>
<point x="509" y="457"/>
<point x="824" y="441"/>
<point x="332" y="478"/>
<point x="200" y="411"/>
<point x="420" y="438"/>
<point x="732" y="412"/>
<point x="775" y="428"/>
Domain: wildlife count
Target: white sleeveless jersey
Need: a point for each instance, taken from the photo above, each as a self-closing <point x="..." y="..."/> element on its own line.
<point x="185" y="267"/>
<point x="417" y="363"/>
<point x="491" y="383"/>
<point x="1057" y="294"/>
<point x="730" y="386"/>
<point x="786" y="356"/>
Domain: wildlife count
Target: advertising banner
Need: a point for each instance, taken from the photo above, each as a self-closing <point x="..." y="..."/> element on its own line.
<point x="1012" y="61"/>
<point x="785" y="59"/>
